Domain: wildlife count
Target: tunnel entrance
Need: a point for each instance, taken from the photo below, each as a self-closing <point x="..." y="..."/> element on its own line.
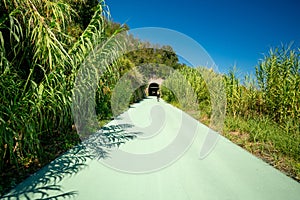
<point x="152" y="89"/>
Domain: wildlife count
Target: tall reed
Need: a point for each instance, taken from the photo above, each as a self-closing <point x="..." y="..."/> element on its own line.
<point x="278" y="77"/>
<point x="38" y="65"/>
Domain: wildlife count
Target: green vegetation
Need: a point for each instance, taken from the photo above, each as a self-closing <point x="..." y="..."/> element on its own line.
<point x="263" y="112"/>
<point x="42" y="46"/>
<point x="267" y="140"/>
<point x="268" y="109"/>
<point x="44" y="43"/>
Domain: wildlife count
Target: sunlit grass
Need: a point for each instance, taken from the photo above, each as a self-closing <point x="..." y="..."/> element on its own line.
<point x="262" y="111"/>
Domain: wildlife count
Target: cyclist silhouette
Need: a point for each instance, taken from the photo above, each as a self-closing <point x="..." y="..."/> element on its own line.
<point x="158" y="95"/>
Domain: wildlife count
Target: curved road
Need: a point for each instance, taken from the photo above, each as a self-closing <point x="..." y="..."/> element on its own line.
<point x="163" y="162"/>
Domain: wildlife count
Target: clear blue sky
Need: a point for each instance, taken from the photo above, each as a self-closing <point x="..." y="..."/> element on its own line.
<point x="232" y="31"/>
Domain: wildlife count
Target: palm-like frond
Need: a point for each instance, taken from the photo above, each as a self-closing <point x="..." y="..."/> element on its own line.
<point x="38" y="66"/>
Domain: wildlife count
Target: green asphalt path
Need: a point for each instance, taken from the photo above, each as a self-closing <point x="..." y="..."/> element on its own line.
<point x="159" y="164"/>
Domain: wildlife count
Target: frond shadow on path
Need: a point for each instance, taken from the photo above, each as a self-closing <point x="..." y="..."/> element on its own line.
<point x="45" y="184"/>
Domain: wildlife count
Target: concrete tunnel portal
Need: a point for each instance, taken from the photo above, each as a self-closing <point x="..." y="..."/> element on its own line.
<point x="153" y="89"/>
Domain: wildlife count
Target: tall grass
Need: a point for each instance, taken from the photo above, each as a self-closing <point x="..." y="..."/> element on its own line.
<point x="272" y="96"/>
<point x="33" y="62"/>
<point x="262" y="110"/>
<point x="278" y="77"/>
<point x="273" y="92"/>
<point x="204" y="88"/>
<point x="39" y="61"/>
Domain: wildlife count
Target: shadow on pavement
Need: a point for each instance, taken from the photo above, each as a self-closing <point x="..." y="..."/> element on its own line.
<point x="45" y="184"/>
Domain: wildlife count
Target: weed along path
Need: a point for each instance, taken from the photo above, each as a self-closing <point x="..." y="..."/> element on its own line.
<point x="162" y="162"/>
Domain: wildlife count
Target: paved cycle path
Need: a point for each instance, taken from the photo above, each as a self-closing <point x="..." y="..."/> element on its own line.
<point x="163" y="162"/>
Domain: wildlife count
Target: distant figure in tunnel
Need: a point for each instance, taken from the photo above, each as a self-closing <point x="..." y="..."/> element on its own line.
<point x="158" y="95"/>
